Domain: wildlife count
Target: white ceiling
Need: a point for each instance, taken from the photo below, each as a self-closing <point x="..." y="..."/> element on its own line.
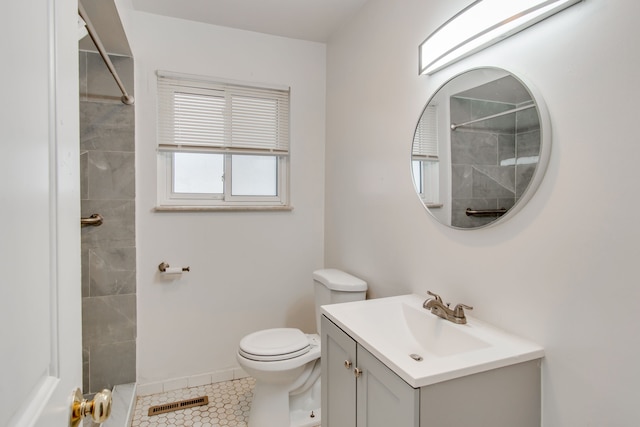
<point x="313" y="20"/>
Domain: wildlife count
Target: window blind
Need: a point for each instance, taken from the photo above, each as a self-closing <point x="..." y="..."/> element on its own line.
<point x="425" y="140"/>
<point x="199" y="115"/>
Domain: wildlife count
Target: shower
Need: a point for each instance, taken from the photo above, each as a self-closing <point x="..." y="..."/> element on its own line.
<point x="107" y="191"/>
<point x="90" y="29"/>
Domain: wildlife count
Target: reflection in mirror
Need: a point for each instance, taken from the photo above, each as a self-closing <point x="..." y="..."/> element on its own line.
<point x="478" y="148"/>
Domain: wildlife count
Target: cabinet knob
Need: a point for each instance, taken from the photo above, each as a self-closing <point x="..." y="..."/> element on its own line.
<point x="347" y="364"/>
<point x="357" y="372"/>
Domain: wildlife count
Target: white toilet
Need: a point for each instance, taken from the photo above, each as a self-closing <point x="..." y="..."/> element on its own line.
<point x="285" y="362"/>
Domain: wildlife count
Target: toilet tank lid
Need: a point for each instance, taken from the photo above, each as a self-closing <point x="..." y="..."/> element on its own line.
<point x="338" y="280"/>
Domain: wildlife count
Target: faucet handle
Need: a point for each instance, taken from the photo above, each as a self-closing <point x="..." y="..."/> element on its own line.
<point x="458" y="311"/>
<point x="435" y="296"/>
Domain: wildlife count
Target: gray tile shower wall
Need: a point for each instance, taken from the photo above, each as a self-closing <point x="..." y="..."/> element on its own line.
<point x="485" y="158"/>
<point x="479" y="181"/>
<point x="107" y="148"/>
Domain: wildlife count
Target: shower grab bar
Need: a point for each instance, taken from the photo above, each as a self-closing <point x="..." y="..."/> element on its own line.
<point x="493" y="116"/>
<point x="126" y="98"/>
<point x="94" y="220"/>
<point x="486" y="212"/>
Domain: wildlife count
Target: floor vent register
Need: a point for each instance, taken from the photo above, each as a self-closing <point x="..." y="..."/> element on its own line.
<point x="176" y="406"/>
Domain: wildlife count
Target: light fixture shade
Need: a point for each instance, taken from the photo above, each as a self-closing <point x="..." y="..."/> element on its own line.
<point x="481" y="24"/>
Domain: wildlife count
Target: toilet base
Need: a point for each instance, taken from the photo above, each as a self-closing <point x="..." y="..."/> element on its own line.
<point x="272" y="408"/>
<point x="276" y="410"/>
<point x="302" y="418"/>
<point x="269" y="407"/>
<point x="305" y="407"/>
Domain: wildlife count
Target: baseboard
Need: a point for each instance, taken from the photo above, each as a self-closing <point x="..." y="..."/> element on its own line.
<point x="191" y="381"/>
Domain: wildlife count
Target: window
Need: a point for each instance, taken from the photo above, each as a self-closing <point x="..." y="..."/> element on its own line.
<point x="424" y="157"/>
<point x="221" y="145"/>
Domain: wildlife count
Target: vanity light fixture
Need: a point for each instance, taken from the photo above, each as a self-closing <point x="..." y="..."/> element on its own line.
<point x="481" y="24"/>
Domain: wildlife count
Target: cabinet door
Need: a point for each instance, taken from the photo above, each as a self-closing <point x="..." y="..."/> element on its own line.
<point x="338" y="381"/>
<point x="383" y="398"/>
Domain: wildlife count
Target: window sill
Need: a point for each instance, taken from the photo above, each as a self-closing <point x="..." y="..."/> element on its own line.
<point x="223" y="208"/>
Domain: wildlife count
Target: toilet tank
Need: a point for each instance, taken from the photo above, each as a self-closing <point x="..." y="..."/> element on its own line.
<point x="332" y="286"/>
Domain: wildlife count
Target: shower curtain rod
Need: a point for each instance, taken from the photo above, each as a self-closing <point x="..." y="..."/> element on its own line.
<point x="126" y="98"/>
<point x="493" y="116"/>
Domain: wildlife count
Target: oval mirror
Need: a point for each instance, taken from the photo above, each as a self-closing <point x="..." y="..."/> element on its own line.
<point x="480" y="148"/>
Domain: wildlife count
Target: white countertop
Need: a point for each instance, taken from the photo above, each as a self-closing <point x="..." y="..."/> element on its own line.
<point x="393" y="328"/>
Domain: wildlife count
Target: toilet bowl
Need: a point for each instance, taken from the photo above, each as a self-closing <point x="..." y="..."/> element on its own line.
<point x="285" y="362"/>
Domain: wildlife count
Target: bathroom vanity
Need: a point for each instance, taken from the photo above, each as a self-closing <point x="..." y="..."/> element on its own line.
<point x="389" y="362"/>
<point x="358" y="389"/>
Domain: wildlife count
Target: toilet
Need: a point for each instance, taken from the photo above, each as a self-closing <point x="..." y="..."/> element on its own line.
<point x="285" y="362"/>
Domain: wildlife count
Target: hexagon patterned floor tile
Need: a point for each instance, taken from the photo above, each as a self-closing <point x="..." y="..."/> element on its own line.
<point x="229" y="404"/>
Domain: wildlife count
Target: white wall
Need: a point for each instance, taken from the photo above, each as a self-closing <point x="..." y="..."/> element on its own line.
<point x="249" y="270"/>
<point x="563" y="271"/>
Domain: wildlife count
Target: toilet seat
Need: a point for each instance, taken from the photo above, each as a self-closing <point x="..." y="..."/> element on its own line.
<point x="271" y="345"/>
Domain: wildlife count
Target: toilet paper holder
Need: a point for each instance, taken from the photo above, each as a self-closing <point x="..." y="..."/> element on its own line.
<point x="165" y="268"/>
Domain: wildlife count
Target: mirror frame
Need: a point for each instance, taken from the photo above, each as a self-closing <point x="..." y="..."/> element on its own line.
<point x="544" y="156"/>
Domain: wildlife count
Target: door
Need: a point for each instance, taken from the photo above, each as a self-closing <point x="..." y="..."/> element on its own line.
<point x="338" y="381"/>
<point x="383" y="398"/>
<point x="40" y="311"/>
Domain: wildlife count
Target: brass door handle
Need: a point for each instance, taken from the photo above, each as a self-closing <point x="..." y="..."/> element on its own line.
<point x="347" y="364"/>
<point x="99" y="408"/>
<point x="357" y="372"/>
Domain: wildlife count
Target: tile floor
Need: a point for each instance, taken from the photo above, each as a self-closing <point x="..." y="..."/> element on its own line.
<point x="229" y="404"/>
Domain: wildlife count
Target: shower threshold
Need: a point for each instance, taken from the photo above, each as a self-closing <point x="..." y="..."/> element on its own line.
<point x="124" y="397"/>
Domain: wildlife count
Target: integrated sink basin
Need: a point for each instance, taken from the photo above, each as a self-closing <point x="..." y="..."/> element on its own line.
<point x="425" y="349"/>
<point x="435" y="337"/>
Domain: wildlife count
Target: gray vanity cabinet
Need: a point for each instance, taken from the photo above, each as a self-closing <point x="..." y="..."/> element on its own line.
<point x="338" y="382"/>
<point x="360" y="391"/>
<point x="504" y="397"/>
<point x="383" y="398"/>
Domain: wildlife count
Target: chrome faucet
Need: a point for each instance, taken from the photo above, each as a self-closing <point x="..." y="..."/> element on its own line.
<point x="437" y="307"/>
